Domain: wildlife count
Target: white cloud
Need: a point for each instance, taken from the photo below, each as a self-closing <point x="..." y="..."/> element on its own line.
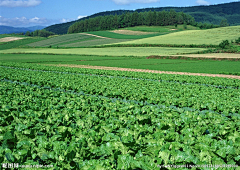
<point x="19" y="3"/>
<point x="80" y="16"/>
<point x="202" y="2"/>
<point x="66" y="20"/>
<point x="23" y="21"/>
<point x="124" y="2"/>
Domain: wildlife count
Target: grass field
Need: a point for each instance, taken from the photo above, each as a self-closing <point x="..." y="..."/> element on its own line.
<point x="161" y="28"/>
<point x="19" y="43"/>
<point x="110" y="34"/>
<point x="123" y="51"/>
<point x="62" y="40"/>
<point x="93" y="42"/>
<point x="210" y="36"/>
<point x="179" y="65"/>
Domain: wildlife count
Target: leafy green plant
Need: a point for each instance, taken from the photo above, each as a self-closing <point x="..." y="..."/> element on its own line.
<point x="74" y="118"/>
<point x="224" y="44"/>
<point x="238" y="40"/>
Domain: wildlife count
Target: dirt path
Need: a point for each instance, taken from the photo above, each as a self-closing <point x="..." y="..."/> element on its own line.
<point x="212" y="55"/>
<point x="148" y="71"/>
<point x="7" y="39"/>
<point x="95" y="35"/>
<point x="129" y="32"/>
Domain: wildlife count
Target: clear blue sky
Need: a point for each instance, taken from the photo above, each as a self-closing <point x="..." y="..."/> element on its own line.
<point x="23" y="13"/>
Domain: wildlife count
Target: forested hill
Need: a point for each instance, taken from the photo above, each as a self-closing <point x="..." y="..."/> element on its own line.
<point x="213" y="14"/>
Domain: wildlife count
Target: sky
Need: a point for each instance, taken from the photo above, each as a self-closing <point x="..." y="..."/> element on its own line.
<point x="24" y="13"/>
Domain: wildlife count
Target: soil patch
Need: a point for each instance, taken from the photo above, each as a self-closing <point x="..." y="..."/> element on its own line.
<point x="7" y="39"/>
<point x="95" y="35"/>
<point x="212" y="55"/>
<point x="129" y="32"/>
<point x="148" y="71"/>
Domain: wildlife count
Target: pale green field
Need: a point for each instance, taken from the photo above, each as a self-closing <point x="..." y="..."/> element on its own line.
<point x="210" y="36"/>
<point x="123" y="51"/>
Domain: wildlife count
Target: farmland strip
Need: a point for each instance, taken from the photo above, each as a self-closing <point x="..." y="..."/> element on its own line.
<point x="140" y="103"/>
<point x="109" y="76"/>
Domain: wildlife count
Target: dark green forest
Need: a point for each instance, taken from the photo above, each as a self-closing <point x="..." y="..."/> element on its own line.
<point x="128" y="19"/>
<point x="212" y="14"/>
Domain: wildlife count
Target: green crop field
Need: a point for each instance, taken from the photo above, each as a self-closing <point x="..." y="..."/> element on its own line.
<point x="179" y="65"/>
<point x="123" y="51"/>
<point x="94" y="42"/>
<point x="110" y="34"/>
<point x="71" y="118"/>
<point x="19" y="43"/>
<point x="209" y="36"/>
<point x="62" y="40"/>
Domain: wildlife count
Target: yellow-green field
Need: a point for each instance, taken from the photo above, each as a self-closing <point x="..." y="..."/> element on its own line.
<point x="123" y="51"/>
<point x="210" y="36"/>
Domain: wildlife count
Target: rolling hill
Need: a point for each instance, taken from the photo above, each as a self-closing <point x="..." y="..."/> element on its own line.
<point x="210" y="36"/>
<point x="209" y="14"/>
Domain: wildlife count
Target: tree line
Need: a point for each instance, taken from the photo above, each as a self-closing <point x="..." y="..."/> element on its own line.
<point x="150" y="18"/>
<point x="39" y="33"/>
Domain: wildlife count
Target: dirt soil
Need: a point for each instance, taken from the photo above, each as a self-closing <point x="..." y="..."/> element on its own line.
<point x="95" y="35"/>
<point x="7" y="39"/>
<point x="148" y="71"/>
<point x="129" y="32"/>
<point x="212" y="55"/>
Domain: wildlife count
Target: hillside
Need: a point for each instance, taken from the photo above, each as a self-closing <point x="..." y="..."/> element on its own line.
<point x="210" y="14"/>
<point x="210" y="36"/>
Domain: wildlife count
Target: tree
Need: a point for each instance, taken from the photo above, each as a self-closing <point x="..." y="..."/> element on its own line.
<point x="224" y="23"/>
<point x="28" y="33"/>
<point x="224" y="44"/>
<point x="149" y="18"/>
<point x="185" y="25"/>
<point x="134" y="19"/>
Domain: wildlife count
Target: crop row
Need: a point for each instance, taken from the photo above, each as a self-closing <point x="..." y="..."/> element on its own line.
<point x="60" y="40"/>
<point x="121" y="77"/>
<point x="170" y="94"/>
<point x="209" y="81"/>
<point x="70" y="131"/>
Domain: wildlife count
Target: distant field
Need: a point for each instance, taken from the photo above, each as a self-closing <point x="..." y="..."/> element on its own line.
<point x="179" y="65"/>
<point x="62" y="40"/>
<point x="160" y="28"/>
<point x="213" y="55"/>
<point x="19" y="43"/>
<point x="123" y="51"/>
<point x="210" y="36"/>
<point x="110" y="34"/>
<point x="93" y="42"/>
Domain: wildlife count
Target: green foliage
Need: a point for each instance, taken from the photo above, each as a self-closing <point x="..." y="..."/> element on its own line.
<point x="224" y="44"/>
<point x="28" y="33"/>
<point x="224" y="23"/>
<point x="39" y="33"/>
<point x="237" y="40"/>
<point x="212" y="14"/>
<point x="110" y="22"/>
<point x="74" y="118"/>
